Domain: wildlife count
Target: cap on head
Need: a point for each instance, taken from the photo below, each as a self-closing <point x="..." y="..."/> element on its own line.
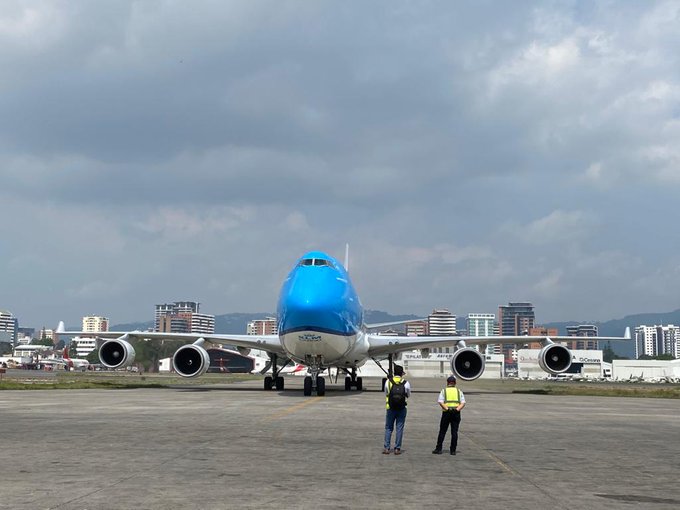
<point x="451" y="379"/>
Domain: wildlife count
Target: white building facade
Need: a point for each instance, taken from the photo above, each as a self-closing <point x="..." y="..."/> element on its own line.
<point x="441" y="322"/>
<point x="9" y="326"/>
<point x="585" y="363"/>
<point x="657" y="340"/>
<point x="95" y="324"/>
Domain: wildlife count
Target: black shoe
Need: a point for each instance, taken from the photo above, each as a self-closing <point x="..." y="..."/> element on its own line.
<point x="453" y="452"/>
<point x="437" y="451"/>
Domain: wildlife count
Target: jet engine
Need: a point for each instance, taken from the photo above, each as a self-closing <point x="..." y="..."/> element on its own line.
<point x="117" y="353"/>
<point x="467" y="363"/>
<point x="191" y="360"/>
<point x="554" y="358"/>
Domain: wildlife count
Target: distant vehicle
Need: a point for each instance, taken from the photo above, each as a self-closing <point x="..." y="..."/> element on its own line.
<point x="321" y="325"/>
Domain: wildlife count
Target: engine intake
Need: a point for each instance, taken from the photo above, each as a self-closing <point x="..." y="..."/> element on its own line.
<point x="467" y="364"/>
<point x="117" y="353"/>
<point x="191" y="361"/>
<point x="554" y="358"/>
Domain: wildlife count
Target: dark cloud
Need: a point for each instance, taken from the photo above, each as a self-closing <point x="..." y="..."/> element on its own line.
<point x="470" y="159"/>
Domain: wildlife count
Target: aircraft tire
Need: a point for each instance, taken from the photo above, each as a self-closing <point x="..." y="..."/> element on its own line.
<point x="279" y="383"/>
<point x="348" y="383"/>
<point x="384" y="381"/>
<point x="360" y="384"/>
<point x="308" y="386"/>
<point x="320" y="386"/>
<point x="268" y="383"/>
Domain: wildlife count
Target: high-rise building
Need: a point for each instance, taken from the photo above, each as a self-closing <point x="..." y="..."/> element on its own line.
<point x="183" y="317"/>
<point x="480" y="324"/>
<point x="202" y="323"/>
<point x="84" y="346"/>
<point x="657" y="340"/>
<point x="9" y="326"/>
<point x="582" y="331"/>
<point x="441" y="322"/>
<point x="517" y="318"/>
<point x="266" y="326"/>
<point x="95" y="324"/>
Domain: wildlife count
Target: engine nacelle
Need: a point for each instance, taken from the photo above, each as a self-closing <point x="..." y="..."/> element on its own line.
<point x="191" y="361"/>
<point x="467" y="364"/>
<point x="117" y="353"/>
<point x="554" y="358"/>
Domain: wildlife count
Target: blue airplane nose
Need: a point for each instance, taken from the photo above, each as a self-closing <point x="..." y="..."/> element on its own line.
<point x="320" y="300"/>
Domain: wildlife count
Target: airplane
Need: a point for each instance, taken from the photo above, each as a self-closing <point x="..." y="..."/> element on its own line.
<point x="66" y="361"/>
<point x="321" y="325"/>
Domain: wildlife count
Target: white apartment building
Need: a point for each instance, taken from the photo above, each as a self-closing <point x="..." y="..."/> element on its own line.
<point x="484" y="324"/>
<point x="95" y="324"/>
<point x="441" y="322"/>
<point x="480" y="324"/>
<point x="202" y="323"/>
<point x="657" y="340"/>
<point x="84" y="346"/>
<point x="8" y="326"/>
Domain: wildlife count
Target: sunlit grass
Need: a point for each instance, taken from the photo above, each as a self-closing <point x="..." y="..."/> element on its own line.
<point x="608" y="391"/>
<point x="127" y="380"/>
<point x="114" y="380"/>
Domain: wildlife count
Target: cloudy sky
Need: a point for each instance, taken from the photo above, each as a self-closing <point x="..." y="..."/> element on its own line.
<point x="471" y="154"/>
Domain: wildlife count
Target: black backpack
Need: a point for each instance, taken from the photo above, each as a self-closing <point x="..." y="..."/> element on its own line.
<point x="397" y="396"/>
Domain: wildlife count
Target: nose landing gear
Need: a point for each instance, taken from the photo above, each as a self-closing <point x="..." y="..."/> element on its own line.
<point x="314" y="380"/>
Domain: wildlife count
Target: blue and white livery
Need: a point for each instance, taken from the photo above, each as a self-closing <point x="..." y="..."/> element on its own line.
<point x="321" y="325"/>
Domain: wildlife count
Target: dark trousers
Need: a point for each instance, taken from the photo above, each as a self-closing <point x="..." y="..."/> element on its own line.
<point x="449" y="418"/>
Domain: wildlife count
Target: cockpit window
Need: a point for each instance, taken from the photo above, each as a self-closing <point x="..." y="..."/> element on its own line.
<point x="315" y="262"/>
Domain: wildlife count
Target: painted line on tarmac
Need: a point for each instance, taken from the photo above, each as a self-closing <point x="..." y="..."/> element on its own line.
<point x="493" y="457"/>
<point x="293" y="409"/>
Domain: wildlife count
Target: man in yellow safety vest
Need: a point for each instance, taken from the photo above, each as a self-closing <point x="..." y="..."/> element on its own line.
<point x="451" y="400"/>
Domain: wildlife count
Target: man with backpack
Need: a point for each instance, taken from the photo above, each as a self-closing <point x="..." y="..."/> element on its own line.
<point x="397" y="391"/>
<point x="451" y="400"/>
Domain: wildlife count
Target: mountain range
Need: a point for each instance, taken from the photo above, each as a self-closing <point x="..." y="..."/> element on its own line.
<point x="235" y="324"/>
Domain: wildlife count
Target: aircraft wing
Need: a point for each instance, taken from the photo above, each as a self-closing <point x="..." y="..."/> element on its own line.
<point x="381" y="345"/>
<point x="391" y="323"/>
<point x="269" y="343"/>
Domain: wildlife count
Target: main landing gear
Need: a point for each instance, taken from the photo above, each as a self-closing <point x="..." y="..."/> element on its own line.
<point x="351" y="380"/>
<point x="275" y="380"/>
<point x="390" y="367"/>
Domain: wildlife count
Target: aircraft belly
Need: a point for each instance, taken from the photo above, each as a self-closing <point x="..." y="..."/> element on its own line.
<point x="331" y="348"/>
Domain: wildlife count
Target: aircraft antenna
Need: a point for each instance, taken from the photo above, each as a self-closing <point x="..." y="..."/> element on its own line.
<point x="347" y="257"/>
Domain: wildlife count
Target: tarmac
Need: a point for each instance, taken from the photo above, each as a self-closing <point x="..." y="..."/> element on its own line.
<point x="236" y="446"/>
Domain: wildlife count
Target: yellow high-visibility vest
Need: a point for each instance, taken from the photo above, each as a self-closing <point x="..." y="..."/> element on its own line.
<point x="451" y="396"/>
<point x="396" y="379"/>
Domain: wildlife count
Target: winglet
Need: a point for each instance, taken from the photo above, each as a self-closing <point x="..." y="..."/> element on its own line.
<point x="626" y="335"/>
<point x="60" y="328"/>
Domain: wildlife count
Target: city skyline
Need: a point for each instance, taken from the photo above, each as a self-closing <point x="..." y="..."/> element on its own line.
<point x="464" y="152"/>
